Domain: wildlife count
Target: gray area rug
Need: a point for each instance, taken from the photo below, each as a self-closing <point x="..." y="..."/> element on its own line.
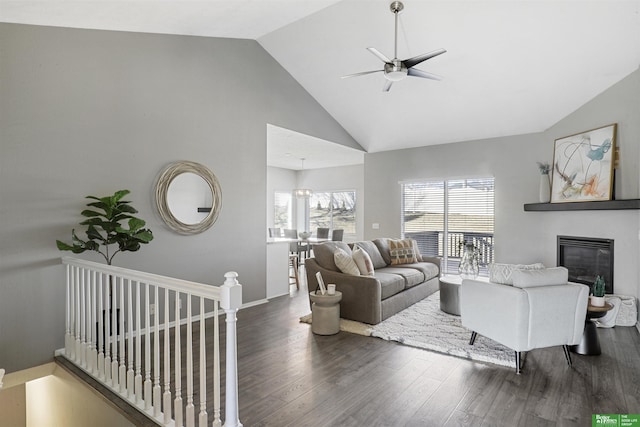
<point x="424" y="326"/>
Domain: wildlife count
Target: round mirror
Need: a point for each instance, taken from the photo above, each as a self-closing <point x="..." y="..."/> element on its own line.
<point x="188" y="197"/>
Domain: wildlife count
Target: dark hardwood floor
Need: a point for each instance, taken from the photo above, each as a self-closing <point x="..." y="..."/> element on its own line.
<point x="290" y="377"/>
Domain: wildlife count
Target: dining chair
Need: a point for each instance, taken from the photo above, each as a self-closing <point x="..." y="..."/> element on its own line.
<point x="275" y="232"/>
<point x="322" y="233"/>
<point x="337" y="235"/>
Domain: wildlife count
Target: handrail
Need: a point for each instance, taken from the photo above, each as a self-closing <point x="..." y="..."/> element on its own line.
<point x="194" y="288"/>
<point x="111" y="311"/>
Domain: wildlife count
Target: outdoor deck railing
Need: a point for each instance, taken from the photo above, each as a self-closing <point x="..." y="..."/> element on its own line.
<point x="129" y="348"/>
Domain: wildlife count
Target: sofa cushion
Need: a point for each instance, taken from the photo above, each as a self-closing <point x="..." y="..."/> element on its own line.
<point x="345" y="262"/>
<point x="390" y="284"/>
<point x="411" y="276"/>
<point x="383" y="247"/>
<point x="363" y="261"/>
<point x="429" y="269"/>
<point x="401" y="251"/>
<point x="374" y="253"/>
<point x="546" y="277"/>
<point x="323" y="254"/>
<point x="502" y="273"/>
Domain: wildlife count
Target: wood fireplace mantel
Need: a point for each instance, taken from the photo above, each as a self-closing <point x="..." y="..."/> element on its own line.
<point x="584" y="206"/>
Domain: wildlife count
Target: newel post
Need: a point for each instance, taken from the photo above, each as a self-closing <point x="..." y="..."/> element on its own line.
<point x="230" y="301"/>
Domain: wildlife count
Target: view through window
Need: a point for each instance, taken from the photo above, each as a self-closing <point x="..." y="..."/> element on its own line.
<point x="333" y="209"/>
<point x="440" y="215"/>
<point x="282" y="209"/>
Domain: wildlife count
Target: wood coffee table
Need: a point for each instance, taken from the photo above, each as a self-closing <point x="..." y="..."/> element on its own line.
<point x="590" y="344"/>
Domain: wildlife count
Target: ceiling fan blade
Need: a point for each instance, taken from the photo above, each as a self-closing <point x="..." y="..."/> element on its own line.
<point x="364" y="73"/>
<point x="377" y="53"/>
<point x="387" y="86"/>
<point x="420" y="58"/>
<point x="419" y="73"/>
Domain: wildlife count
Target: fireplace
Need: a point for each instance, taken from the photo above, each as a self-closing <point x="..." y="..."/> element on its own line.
<point x="586" y="258"/>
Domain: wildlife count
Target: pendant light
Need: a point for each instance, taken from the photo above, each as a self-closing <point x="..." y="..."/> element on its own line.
<point x="302" y="193"/>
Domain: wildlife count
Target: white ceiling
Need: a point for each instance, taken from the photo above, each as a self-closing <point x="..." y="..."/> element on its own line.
<point x="512" y="67"/>
<point x="293" y="150"/>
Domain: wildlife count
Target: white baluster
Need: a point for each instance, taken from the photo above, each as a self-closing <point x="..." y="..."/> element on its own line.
<point x="130" y="352"/>
<point x="83" y="319"/>
<point x="78" y="349"/>
<point x="68" y="314"/>
<point x="190" y="418"/>
<point x="138" y="377"/>
<point x="177" y="403"/>
<point x="107" y="332"/>
<point x="166" y="397"/>
<point x="115" y="334"/>
<point x="156" y="358"/>
<point x="100" y="321"/>
<point x="122" y="368"/>
<point x="93" y="323"/>
<point x="147" y="351"/>
<point x="202" y="417"/>
<point x="87" y="316"/>
<point x="231" y="300"/>
<point x="217" y="422"/>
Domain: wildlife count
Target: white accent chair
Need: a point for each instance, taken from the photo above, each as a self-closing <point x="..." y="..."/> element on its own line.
<point x="541" y="309"/>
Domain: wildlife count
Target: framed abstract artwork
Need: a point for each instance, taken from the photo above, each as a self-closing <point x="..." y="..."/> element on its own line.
<point x="583" y="166"/>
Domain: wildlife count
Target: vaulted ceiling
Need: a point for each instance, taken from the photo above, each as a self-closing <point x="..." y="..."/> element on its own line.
<point x="511" y="67"/>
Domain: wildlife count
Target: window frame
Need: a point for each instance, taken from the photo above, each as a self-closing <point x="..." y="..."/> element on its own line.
<point x="451" y="255"/>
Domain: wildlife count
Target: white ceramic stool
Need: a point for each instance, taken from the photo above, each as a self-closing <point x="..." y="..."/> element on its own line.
<point x="325" y="313"/>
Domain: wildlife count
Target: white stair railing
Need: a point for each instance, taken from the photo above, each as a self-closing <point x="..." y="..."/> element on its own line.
<point x="111" y="311"/>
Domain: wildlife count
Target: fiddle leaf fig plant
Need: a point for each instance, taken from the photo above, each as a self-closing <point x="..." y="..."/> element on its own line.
<point x="106" y="227"/>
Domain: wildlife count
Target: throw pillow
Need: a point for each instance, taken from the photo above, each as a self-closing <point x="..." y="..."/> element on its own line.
<point x="402" y="252"/>
<point x="544" y="277"/>
<point x="374" y="253"/>
<point x="363" y="261"/>
<point x="502" y="273"/>
<point x="416" y="250"/>
<point x="345" y="262"/>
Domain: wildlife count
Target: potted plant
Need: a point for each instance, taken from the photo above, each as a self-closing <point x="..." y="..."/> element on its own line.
<point x="469" y="267"/>
<point x="105" y="228"/>
<point x="597" y="299"/>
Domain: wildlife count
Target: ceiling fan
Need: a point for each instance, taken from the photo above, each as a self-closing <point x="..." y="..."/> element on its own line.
<point x="396" y="69"/>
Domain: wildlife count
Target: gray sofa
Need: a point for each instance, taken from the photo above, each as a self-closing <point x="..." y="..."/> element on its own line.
<point x="372" y="299"/>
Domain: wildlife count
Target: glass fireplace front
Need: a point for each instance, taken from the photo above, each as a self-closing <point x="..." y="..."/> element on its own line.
<point x="586" y="258"/>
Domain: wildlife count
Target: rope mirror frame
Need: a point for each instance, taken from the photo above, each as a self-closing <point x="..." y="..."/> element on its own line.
<point x="162" y="189"/>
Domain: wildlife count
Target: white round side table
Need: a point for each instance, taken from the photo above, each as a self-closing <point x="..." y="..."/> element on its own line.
<point x="325" y="313"/>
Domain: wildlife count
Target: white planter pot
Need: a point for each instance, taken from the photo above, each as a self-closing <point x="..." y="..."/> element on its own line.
<point x="597" y="301"/>
<point x="545" y="189"/>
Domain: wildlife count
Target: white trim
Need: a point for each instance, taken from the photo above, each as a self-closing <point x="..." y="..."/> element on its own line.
<point x="449" y="178"/>
<point x="254" y="303"/>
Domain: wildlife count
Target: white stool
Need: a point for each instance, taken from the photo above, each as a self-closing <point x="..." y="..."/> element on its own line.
<point x="325" y="313"/>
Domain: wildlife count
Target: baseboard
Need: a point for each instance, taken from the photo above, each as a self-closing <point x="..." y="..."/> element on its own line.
<point x="254" y="303"/>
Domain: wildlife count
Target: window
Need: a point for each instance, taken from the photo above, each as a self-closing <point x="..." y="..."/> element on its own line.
<point x="282" y="209"/>
<point x="441" y="215"/>
<point x="335" y="210"/>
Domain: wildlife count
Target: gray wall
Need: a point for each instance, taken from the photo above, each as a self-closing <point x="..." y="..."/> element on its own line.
<point x="525" y="236"/>
<point x="90" y="112"/>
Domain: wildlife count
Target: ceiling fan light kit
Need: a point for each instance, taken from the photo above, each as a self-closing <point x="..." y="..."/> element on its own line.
<point x="395" y="69"/>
